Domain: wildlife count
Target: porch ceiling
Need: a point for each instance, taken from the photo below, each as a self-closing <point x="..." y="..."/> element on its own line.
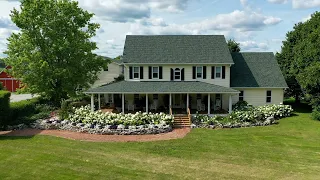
<point x="160" y="87"/>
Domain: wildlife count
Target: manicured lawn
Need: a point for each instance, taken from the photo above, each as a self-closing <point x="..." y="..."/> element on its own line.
<point x="290" y="150"/>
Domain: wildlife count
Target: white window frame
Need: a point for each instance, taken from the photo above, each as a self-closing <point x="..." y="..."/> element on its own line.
<point x="215" y="72"/>
<point x="155" y="72"/>
<point x="241" y="96"/>
<point x="268" y="96"/>
<point x="174" y="74"/>
<point x="197" y="72"/>
<point x="133" y="72"/>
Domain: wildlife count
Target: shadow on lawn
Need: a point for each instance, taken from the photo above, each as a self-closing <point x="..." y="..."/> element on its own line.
<point x="19" y="134"/>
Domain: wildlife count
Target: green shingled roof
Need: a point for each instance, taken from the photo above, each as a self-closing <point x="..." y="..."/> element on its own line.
<point x="176" y="49"/>
<point x="161" y="87"/>
<point x="256" y="69"/>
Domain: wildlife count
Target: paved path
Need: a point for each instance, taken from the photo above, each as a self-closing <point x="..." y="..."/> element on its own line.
<point x="20" y="97"/>
<point x="175" y="134"/>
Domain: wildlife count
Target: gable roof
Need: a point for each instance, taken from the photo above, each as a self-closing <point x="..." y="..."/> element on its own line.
<point x="132" y="87"/>
<point x="256" y="69"/>
<point x="176" y="49"/>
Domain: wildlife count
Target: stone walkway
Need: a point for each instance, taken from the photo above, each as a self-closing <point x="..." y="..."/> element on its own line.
<point x="175" y="134"/>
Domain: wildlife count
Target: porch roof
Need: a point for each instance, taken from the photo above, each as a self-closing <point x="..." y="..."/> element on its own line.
<point x="160" y="87"/>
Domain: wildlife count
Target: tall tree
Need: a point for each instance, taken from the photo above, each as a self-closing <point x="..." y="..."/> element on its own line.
<point x="52" y="53"/>
<point x="233" y="45"/>
<point x="300" y="57"/>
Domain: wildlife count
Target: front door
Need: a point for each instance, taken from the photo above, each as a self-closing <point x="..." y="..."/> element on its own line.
<point x="177" y="101"/>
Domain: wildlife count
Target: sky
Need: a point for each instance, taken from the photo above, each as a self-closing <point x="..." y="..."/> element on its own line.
<point x="258" y="25"/>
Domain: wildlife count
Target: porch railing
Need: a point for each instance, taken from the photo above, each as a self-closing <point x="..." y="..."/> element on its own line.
<point x="189" y="115"/>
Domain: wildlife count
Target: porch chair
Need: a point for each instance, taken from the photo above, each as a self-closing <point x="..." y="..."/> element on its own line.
<point x="217" y="104"/>
<point x="154" y="105"/>
<point x="130" y="107"/>
<point x="200" y="105"/>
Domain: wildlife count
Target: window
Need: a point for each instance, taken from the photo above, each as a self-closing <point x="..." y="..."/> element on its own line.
<point x="110" y="100"/>
<point x="198" y="96"/>
<point x="155" y="96"/>
<point x="155" y="72"/>
<point x="199" y="71"/>
<point x="136" y="98"/>
<point x="241" y="96"/>
<point x="136" y="72"/>
<point x="177" y="74"/>
<point x="218" y="72"/>
<point x="268" y="100"/>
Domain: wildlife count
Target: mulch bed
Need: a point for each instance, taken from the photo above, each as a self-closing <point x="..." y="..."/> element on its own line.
<point x="175" y="134"/>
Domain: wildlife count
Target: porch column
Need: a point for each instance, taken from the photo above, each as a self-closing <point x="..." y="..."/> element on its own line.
<point x="208" y="103"/>
<point x="92" y="103"/>
<point x="122" y="103"/>
<point x="147" y="104"/>
<point x="187" y="102"/>
<point x="99" y="101"/>
<point x="170" y="101"/>
<point x="230" y="104"/>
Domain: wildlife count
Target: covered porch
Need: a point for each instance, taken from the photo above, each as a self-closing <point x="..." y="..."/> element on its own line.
<point x="168" y="97"/>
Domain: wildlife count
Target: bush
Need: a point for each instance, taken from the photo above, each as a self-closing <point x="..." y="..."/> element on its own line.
<point x="241" y="105"/>
<point x="1" y="86"/>
<point x="22" y="109"/>
<point x="316" y="114"/>
<point x="4" y="107"/>
<point x="65" y="110"/>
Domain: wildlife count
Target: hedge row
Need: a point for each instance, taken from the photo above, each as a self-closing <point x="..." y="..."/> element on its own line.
<point x="4" y="107"/>
<point x="22" y="109"/>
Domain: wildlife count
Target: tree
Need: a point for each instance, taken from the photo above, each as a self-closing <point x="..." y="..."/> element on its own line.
<point x="233" y="46"/>
<point x="300" y="58"/>
<point x="52" y="53"/>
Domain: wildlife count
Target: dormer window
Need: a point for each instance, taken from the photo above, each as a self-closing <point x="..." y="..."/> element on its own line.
<point x="199" y="72"/>
<point x="136" y="72"/>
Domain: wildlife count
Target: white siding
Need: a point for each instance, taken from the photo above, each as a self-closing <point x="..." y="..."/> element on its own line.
<point x="257" y="96"/>
<point x="104" y="77"/>
<point x="187" y="71"/>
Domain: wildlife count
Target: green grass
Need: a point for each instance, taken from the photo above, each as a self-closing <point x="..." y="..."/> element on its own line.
<point x="289" y="150"/>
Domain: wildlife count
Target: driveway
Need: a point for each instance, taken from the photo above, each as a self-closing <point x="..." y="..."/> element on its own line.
<point x="20" y="97"/>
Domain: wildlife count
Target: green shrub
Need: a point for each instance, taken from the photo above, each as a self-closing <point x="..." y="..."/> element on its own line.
<point x="316" y="114"/>
<point x="1" y="86"/>
<point x="241" y="105"/>
<point x="4" y="107"/>
<point x="21" y="110"/>
<point x="66" y="109"/>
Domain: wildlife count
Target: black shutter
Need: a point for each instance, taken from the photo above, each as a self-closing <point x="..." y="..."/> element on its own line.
<point x="193" y="72"/>
<point x="150" y="72"/>
<point x="130" y="72"/>
<point x="223" y="72"/>
<point x="212" y="72"/>
<point x="182" y="74"/>
<point x="204" y="72"/>
<point x="141" y="72"/>
<point x="171" y="74"/>
<point x="160" y="72"/>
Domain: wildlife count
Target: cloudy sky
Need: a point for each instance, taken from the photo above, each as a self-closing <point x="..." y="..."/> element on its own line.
<point x="259" y="25"/>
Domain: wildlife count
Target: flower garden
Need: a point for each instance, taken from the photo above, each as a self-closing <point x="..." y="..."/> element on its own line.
<point x="244" y="116"/>
<point x="83" y="120"/>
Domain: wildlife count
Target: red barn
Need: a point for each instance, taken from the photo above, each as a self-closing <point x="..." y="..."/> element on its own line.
<point x="10" y="83"/>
